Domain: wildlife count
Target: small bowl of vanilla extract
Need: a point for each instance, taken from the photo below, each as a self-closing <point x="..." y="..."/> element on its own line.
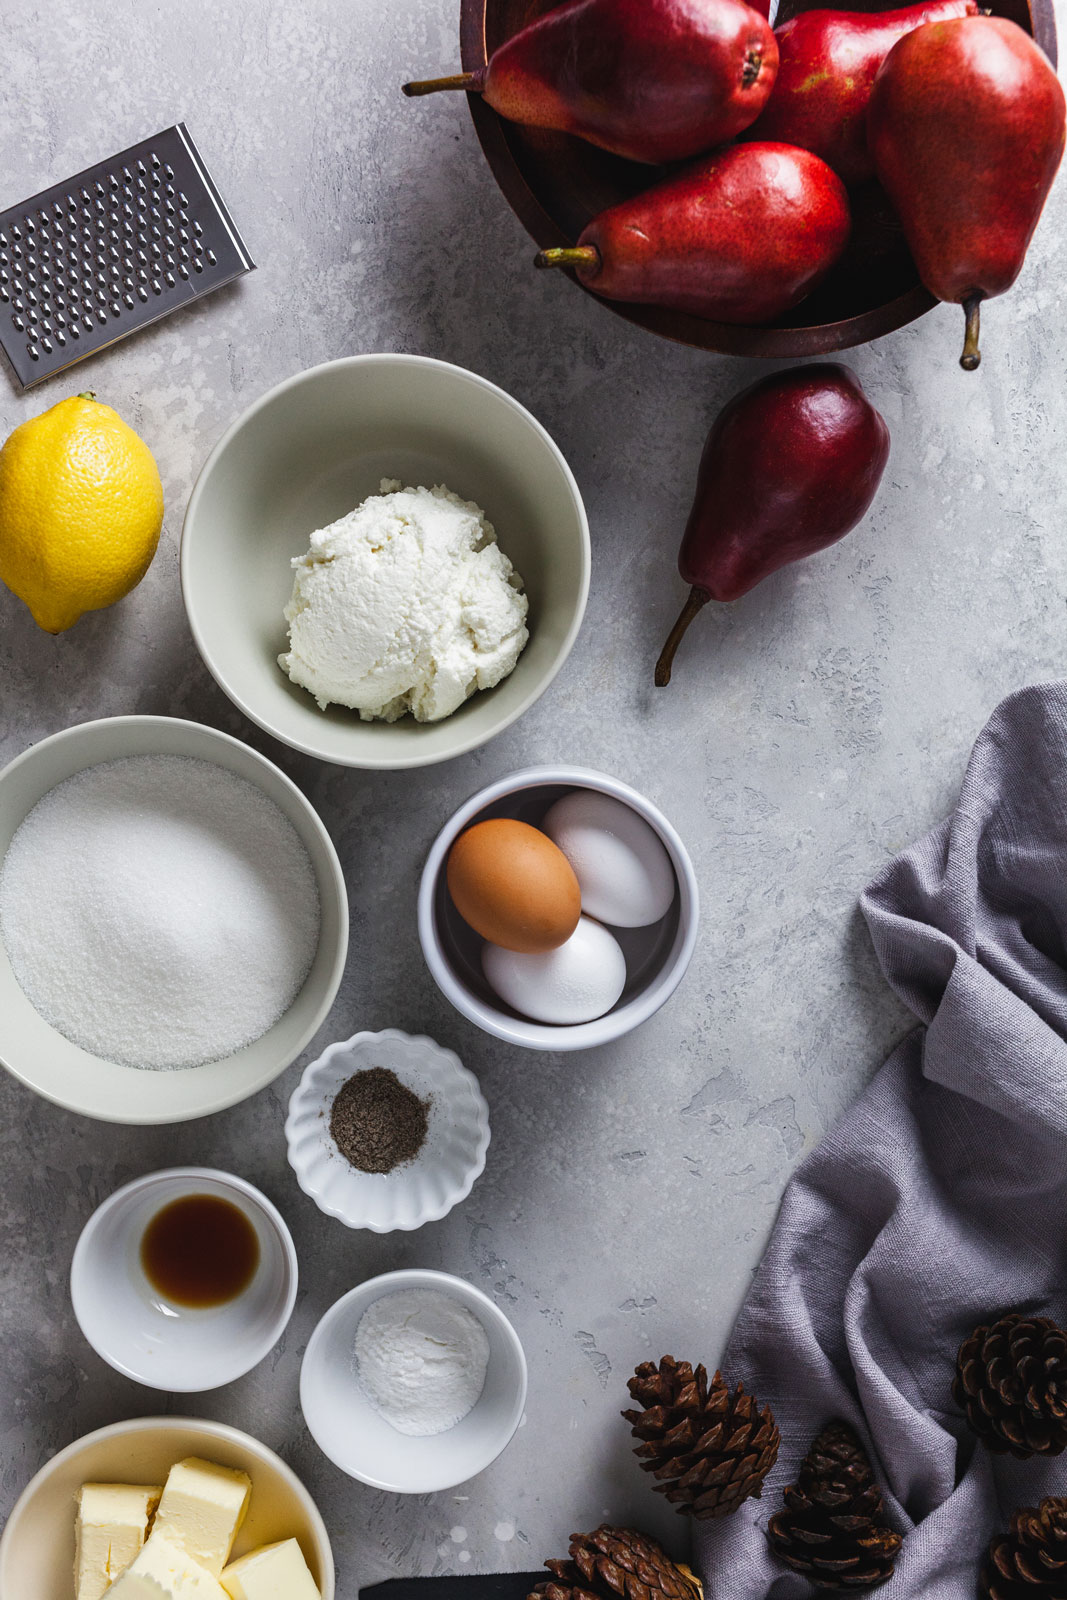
<point x="184" y="1279"/>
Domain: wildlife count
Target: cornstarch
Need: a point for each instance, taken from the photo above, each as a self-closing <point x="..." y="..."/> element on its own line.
<point x="421" y="1358"/>
<point x="159" y="911"/>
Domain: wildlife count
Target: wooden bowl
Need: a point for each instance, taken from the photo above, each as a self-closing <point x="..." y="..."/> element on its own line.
<point x="555" y="183"/>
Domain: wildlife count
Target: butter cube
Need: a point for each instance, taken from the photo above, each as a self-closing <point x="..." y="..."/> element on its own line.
<point x="203" y="1506"/>
<point x="111" y="1527"/>
<point x="164" y="1571"/>
<point x="273" y="1572"/>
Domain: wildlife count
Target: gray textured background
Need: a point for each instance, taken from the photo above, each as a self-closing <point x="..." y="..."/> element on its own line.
<point x="811" y="731"/>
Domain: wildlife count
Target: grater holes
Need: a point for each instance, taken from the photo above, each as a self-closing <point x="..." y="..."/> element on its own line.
<point x="96" y="253"/>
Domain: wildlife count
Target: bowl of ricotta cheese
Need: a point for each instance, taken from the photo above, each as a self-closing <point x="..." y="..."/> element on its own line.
<point x="385" y="561"/>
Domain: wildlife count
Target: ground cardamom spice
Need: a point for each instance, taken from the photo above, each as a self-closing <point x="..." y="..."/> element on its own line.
<point x="377" y="1122"/>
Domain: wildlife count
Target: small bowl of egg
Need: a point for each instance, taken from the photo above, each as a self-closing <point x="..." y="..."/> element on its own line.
<point x="558" y="909"/>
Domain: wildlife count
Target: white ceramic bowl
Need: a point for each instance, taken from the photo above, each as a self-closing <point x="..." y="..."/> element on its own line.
<point x="37" y="1547"/>
<point x="143" y="1335"/>
<point x="424" y="1190"/>
<point x="309" y="452"/>
<point x="656" y="957"/>
<point x="43" y="1059"/>
<point x="359" y="1440"/>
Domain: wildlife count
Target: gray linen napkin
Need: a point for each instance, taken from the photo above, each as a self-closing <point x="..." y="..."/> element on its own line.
<point x="940" y="1199"/>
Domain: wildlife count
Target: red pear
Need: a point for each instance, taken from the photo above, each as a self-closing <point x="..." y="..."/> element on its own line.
<point x="740" y="236"/>
<point x="966" y="127"/>
<point x="790" y="466"/>
<point x="827" y="63"/>
<point x="654" y="80"/>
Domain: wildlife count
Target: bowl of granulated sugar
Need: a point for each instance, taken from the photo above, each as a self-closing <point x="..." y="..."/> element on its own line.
<point x="173" y="920"/>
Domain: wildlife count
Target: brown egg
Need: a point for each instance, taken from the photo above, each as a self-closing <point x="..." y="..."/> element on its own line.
<point x="514" y="886"/>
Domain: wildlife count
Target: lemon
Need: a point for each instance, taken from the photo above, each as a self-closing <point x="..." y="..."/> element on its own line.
<point x="81" y="508"/>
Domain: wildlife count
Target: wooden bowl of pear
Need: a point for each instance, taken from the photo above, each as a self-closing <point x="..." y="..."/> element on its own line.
<point x="556" y="183"/>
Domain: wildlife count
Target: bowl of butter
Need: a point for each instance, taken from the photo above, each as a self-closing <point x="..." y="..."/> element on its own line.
<point x="166" y="1505"/>
<point x="385" y="561"/>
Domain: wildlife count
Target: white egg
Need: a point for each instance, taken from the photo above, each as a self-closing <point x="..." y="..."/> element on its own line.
<point x="577" y="982"/>
<point x="621" y="863"/>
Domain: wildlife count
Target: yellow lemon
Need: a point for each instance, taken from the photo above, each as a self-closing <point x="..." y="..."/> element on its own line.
<point x="81" y="508"/>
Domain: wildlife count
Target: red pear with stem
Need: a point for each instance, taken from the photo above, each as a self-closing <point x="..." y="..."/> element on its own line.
<point x="653" y="80"/>
<point x="790" y="466"/>
<point x="739" y="236"/>
<point x="966" y="126"/>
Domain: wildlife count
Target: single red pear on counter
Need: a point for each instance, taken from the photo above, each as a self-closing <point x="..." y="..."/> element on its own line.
<point x="827" y="63"/>
<point x="790" y="466"/>
<point x="654" y="80"/>
<point x="966" y="127"/>
<point x="740" y="236"/>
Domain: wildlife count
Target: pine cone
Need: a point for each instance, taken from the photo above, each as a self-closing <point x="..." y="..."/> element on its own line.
<point x="617" y="1564"/>
<point x="1031" y="1560"/>
<point x="710" y="1449"/>
<point x="833" y="1529"/>
<point x="1011" y="1380"/>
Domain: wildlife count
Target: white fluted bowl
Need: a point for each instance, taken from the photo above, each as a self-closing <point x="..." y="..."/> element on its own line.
<point x="423" y="1190"/>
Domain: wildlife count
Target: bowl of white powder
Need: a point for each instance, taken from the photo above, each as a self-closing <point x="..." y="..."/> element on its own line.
<point x="385" y="561"/>
<point x="173" y="920"/>
<point x="413" y="1382"/>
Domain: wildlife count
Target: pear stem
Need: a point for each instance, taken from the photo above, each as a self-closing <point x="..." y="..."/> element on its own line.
<point x="577" y="255"/>
<point x="972" y="356"/>
<point x="473" y="82"/>
<point x="698" y="599"/>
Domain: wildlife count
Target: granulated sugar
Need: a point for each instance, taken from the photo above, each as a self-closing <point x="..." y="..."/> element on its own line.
<point x="159" y="911"/>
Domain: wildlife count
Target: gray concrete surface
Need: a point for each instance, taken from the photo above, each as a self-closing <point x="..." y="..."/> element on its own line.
<point x="811" y="731"/>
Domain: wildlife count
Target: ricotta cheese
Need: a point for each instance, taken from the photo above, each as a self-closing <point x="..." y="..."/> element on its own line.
<point x="407" y="604"/>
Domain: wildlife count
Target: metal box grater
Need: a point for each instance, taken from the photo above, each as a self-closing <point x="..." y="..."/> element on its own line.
<point x="119" y="246"/>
